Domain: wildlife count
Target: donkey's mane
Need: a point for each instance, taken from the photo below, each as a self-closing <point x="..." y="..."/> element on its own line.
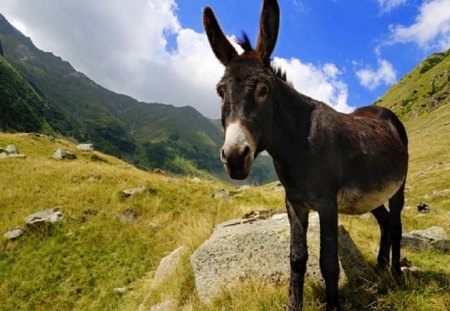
<point x="246" y="45"/>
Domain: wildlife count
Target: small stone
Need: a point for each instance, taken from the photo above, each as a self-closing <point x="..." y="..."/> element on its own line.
<point x="85" y="147"/>
<point x="127" y="216"/>
<point x="61" y="154"/>
<point x="17" y="156"/>
<point x="159" y="171"/>
<point x="13" y="234"/>
<point x="438" y="193"/>
<point x="221" y="194"/>
<point x="196" y="180"/>
<point x="12" y="149"/>
<point x="3" y="155"/>
<point x="167" y="305"/>
<point x="50" y="215"/>
<point x="119" y="290"/>
<point x="129" y="192"/>
<point x="423" y="207"/>
<point x="244" y="188"/>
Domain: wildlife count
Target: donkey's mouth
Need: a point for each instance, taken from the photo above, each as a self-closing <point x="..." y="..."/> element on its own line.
<point x="240" y="170"/>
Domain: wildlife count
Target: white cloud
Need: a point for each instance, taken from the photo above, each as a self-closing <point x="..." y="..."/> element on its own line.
<point x="389" y="5"/>
<point x="141" y="49"/>
<point x="431" y="28"/>
<point x="320" y="83"/>
<point x="371" y="79"/>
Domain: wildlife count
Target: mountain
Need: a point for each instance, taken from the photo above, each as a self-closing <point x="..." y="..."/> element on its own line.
<point x="422" y="100"/>
<point x="149" y="135"/>
<point x="425" y="89"/>
<point x="23" y="109"/>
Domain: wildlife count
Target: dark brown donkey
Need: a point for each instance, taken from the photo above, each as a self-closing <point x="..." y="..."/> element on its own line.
<point x="327" y="161"/>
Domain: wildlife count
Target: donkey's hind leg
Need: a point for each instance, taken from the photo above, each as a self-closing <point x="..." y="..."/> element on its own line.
<point x="395" y="207"/>
<point x="383" y="218"/>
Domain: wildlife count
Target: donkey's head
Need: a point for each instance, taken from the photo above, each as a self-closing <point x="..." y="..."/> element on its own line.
<point x="245" y="90"/>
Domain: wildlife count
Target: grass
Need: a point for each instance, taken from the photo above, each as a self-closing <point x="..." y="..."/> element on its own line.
<point x="74" y="265"/>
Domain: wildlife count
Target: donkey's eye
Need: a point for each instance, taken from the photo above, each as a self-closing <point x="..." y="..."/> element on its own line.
<point x="261" y="92"/>
<point x="221" y="90"/>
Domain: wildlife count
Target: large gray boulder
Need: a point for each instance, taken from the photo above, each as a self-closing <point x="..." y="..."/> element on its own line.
<point x="243" y="248"/>
<point x="430" y="238"/>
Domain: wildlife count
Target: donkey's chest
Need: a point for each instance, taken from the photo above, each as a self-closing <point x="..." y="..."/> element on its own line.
<point x="353" y="201"/>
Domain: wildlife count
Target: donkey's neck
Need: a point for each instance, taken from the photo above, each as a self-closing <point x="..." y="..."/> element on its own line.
<point x="291" y="121"/>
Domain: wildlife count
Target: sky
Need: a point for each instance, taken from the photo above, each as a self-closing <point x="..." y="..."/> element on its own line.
<point x="346" y="53"/>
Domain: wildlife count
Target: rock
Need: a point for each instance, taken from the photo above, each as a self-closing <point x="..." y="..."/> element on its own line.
<point x="3" y="155"/>
<point x="50" y="215"/>
<point x="430" y="238"/>
<point x="159" y="171"/>
<point x="423" y="207"/>
<point x="167" y="305"/>
<point x="129" y="192"/>
<point x="17" y="156"/>
<point x="238" y="250"/>
<point x="12" y="149"/>
<point x="222" y="194"/>
<point x="196" y="180"/>
<point x="128" y="215"/>
<point x="169" y="265"/>
<point x="119" y="290"/>
<point x="85" y="147"/>
<point x="244" y="188"/>
<point x="437" y="193"/>
<point x="13" y="234"/>
<point x="61" y="154"/>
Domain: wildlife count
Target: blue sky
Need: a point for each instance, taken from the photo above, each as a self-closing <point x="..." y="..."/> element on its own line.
<point x="344" y="52"/>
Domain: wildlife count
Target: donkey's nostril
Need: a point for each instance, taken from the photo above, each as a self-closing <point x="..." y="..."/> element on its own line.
<point x="246" y="151"/>
<point x="223" y="155"/>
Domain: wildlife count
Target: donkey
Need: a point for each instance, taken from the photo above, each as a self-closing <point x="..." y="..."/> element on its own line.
<point x="327" y="161"/>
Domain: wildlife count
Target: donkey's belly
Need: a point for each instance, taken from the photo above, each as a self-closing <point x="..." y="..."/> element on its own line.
<point x="355" y="201"/>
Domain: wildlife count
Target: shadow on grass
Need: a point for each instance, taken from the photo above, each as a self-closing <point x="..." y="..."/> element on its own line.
<point x="379" y="290"/>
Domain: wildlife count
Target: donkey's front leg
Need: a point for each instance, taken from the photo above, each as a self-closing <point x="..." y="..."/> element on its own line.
<point x="329" y="261"/>
<point x="298" y="218"/>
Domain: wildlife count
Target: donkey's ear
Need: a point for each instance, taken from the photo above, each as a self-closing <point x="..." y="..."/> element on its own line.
<point x="268" y="30"/>
<point x="220" y="45"/>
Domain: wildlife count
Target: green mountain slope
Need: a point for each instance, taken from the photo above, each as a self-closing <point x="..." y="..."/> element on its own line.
<point x="422" y="100"/>
<point x="423" y="90"/>
<point x="180" y="140"/>
<point x="23" y="109"/>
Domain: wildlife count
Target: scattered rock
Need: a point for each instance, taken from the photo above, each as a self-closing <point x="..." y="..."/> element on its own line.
<point x="50" y="215"/>
<point x="196" y="180"/>
<point x="437" y="193"/>
<point x="159" y="171"/>
<point x="244" y="188"/>
<point x="17" y="156"/>
<point x="167" y="305"/>
<point x="3" y="155"/>
<point x="430" y="238"/>
<point x="238" y="250"/>
<point x="423" y="207"/>
<point x="222" y="194"/>
<point x="12" y="149"/>
<point x="13" y="234"/>
<point x="129" y="192"/>
<point x="128" y="215"/>
<point x="169" y="265"/>
<point x="119" y="290"/>
<point x="61" y="154"/>
<point x="85" y="147"/>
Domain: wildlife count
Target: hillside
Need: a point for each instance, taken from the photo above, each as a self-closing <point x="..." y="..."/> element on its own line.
<point x="23" y="109"/>
<point x="148" y="135"/>
<point x="76" y="264"/>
